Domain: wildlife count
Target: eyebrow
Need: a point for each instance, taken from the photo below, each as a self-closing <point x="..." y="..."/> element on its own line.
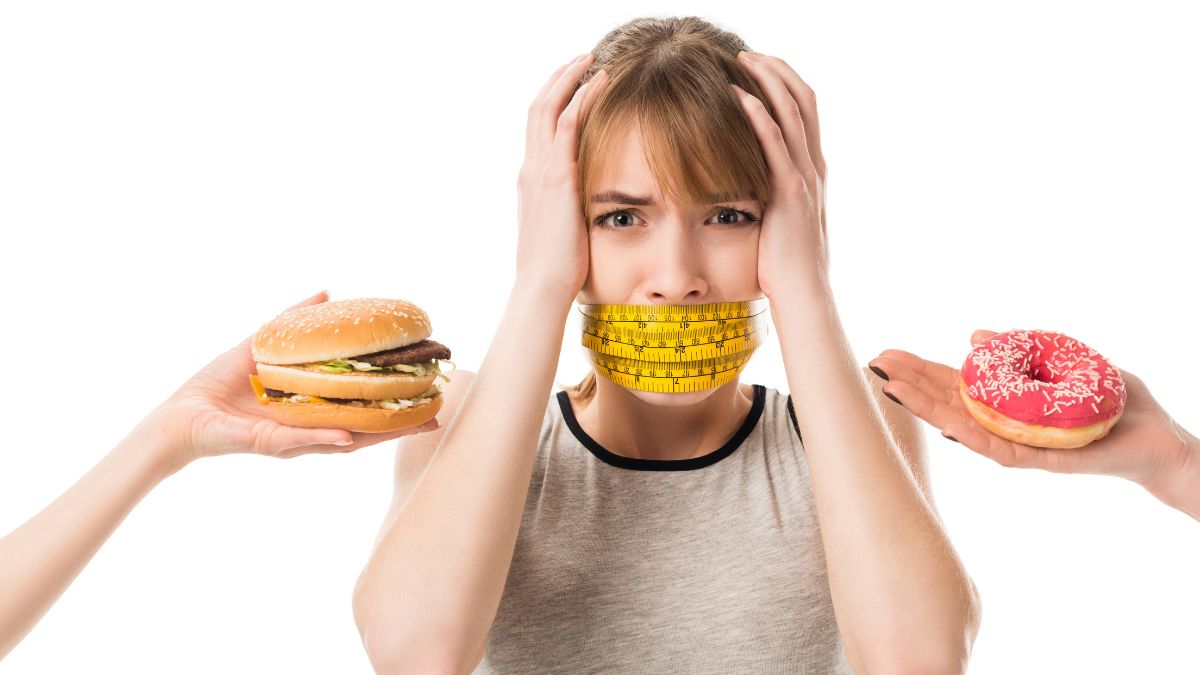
<point x="617" y="197"/>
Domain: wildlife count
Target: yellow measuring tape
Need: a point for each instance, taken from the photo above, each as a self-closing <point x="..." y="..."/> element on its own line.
<point x="673" y="348"/>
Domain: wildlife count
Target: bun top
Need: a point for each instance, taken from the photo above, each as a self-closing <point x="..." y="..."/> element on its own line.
<point x="339" y="329"/>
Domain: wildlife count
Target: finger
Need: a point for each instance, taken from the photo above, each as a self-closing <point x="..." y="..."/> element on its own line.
<point x="598" y="83"/>
<point x="804" y="97"/>
<point x="1002" y="451"/>
<point x="566" y="140"/>
<point x="923" y="403"/>
<point x="531" y="125"/>
<point x="930" y="378"/>
<point x="943" y="376"/>
<point x="276" y="438"/>
<point x="311" y="300"/>
<point x="980" y="335"/>
<point x="553" y="103"/>
<point x="788" y="113"/>
<point x="770" y="137"/>
<point x="360" y="439"/>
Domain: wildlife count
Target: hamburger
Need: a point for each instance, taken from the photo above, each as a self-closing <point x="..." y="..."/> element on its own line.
<point x="365" y="364"/>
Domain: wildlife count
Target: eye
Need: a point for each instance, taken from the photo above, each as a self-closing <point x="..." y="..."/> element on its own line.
<point x="600" y="220"/>
<point x="749" y="218"/>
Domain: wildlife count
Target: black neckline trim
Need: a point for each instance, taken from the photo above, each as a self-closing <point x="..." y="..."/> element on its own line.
<point x="568" y="413"/>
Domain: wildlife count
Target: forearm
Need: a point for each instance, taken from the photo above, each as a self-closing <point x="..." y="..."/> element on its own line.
<point x="41" y="558"/>
<point x="436" y="576"/>
<point x="898" y="589"/>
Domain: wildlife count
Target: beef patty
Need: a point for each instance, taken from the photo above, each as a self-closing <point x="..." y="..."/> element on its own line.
<point x="424" y="350"/>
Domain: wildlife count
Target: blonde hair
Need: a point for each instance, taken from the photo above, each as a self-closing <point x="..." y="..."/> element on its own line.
<point x="669" y="79"/>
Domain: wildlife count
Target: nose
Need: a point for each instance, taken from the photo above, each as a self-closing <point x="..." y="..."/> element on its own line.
<point x="675" y="268"/>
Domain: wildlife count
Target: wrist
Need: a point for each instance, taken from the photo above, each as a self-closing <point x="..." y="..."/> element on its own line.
<point x="152" y="445"/>
<point x="541" y="293"/>
<point x="1180" y="488"/>
<point x="799" y="288"/>
<point x="804" y="295"/>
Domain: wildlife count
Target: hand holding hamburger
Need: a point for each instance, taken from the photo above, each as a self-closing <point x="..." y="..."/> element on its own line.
<point x="215" y="413"/>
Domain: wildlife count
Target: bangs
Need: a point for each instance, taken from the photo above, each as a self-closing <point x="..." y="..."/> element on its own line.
<point x="697" y="140"/>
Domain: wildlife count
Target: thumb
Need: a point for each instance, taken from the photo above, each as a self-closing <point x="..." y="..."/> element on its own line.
<point x="313" y="300"/>
<point x="980" y="335"/>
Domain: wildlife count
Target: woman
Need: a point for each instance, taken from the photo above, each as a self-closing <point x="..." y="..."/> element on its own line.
<point x="621" y="530"/>
<point x="1147" y="446"/>
<point x="213" y="413"/>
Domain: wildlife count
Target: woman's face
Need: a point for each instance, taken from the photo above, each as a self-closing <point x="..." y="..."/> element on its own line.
<point x="655" y="252"/>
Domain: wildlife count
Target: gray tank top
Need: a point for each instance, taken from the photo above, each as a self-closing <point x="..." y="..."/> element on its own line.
<point x="706" y="565"/>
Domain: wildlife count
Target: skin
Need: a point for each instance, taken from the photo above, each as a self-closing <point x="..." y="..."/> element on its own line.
<point x="1146" y="445"/>
<point x="666" y="254"/>
<point x="214" y="413"/>
<point x="902" y="598"/>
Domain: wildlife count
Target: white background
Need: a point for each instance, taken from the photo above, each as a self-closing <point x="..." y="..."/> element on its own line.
<point x="172" y="175"/>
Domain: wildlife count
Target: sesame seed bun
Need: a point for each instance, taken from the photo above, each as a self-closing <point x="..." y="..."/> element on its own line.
<point x="339" y="329"/>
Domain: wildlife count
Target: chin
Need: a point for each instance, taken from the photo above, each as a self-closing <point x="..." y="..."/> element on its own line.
<point x="671" y="398"/>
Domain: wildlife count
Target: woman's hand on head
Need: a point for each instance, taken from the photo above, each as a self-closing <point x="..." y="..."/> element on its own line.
<point x="216" y="412"/>
<point x="1145" y="445"/>
<point x="793" y="249"/>
<point x="552" y="240"/>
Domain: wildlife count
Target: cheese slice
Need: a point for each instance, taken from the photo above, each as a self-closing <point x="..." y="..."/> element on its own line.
<point x="259" y="391"/>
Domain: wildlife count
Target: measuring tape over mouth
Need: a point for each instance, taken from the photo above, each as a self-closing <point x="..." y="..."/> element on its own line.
<point x="673" y="348"/>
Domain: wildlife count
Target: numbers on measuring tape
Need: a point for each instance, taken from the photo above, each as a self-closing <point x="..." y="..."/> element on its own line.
<point x="673" y="348"/>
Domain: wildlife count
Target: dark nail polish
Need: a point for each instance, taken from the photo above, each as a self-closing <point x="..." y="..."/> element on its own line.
<point x="951" y="438"/>
<point x="892" y="397"/>
<point x="879" y="373"/>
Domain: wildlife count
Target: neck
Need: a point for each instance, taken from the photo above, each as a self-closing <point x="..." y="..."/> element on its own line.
<point x="628" y="426"/>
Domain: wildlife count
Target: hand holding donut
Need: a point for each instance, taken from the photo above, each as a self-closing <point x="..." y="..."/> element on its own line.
<point x="215" y="413"/>
<point x="552" y="239"/>
<point x="1147" y="446"/>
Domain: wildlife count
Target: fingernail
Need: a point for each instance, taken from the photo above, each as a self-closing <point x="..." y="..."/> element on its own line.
<point x="343" y="442"/>
<point x="893" y="398"/>
<point x="951" y="438"/>
<point x="879" y="372"/>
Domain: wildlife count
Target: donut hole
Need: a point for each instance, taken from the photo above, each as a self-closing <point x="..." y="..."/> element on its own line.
<point x="1040" y="373"/>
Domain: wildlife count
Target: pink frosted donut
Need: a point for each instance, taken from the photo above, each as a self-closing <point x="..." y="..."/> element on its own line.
<point x="1041" y="388"/>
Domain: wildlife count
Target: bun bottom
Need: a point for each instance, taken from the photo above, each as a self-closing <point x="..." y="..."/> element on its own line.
<point x="353" y="418"/>
<point x="1035" y="435"/>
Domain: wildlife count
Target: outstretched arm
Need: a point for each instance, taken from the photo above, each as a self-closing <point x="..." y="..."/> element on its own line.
<point x="1147" y="446"/>
<point x="41" y="558"/>
<point x="215" y="412"/>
